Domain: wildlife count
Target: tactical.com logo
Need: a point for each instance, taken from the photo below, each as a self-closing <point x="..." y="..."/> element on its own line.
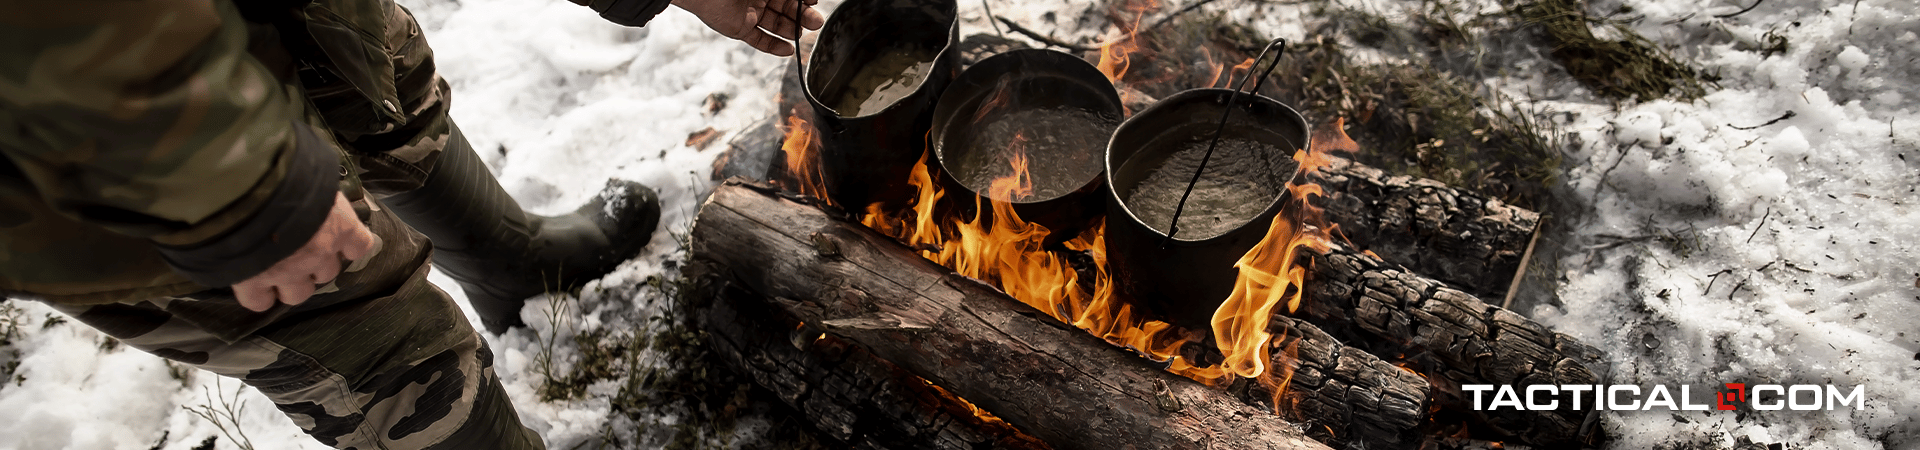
<point x="1626" y="397"/>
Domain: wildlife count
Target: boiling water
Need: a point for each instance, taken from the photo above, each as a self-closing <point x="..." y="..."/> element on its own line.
<point x="1063" y="147"/>
<point x="893" y="75"/>
<point x="1242" y="179"/>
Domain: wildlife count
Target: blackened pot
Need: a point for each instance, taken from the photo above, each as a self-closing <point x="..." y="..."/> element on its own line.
<point x="1185" y="280"/>
<point x="867" y="157"/>
<point x="1047" y="88"/>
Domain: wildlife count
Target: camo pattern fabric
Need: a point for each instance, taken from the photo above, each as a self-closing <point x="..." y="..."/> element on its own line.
<point x="131" y="125"/>
<point x="394" y="122"/>
<point x="381" y="359"/>
<point x="170" y="122"/>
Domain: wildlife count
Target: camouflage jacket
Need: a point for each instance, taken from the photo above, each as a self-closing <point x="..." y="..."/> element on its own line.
<point x="161" y="147"/>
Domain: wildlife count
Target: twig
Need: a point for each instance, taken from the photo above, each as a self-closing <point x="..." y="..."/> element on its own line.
<point x="1763" y="224"/>
<point x="1743" y="11"/>
<point x="227" y="414"/>
<point x="1788" y="115"/>
<point x="1035" y="35"/>
<point x="1169" y="17"/>
<point x="1736" y="289"/>
<point x="996" y="27"/>
<point x="1525" y="258"/>
<point x="1609" y="172"/>
<point x="1715" y="278"/>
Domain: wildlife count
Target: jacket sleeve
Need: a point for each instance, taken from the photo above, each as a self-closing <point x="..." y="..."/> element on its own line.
<point x="632" y="13"/>
<point x="149" y="118"/>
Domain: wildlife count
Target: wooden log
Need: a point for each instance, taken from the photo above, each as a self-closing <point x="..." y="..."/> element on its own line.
<point x="844" y="391"/>
<point x="1474" y="243"/>
<point x="1456" y="338"/>
<point x="1056" y="383"/>
<point x="1341" y="395"/>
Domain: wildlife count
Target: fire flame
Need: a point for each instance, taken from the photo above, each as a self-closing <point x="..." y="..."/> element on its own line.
<point x="1244" y="66"/>
<point x="1018" y="185"/>
<point x="1116" y="55"/>
<point x="995" y="245"/>
<point x="802" y="149"/>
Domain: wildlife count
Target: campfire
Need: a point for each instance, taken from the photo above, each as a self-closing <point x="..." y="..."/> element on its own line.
<point x="1263" y="346"/>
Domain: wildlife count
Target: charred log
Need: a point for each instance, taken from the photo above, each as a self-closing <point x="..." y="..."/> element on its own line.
<point x="1341" y="395"/>
<point x="1471" y="242"/>
<point x="1058" y="384"/>
<point x="1454" y="337"/>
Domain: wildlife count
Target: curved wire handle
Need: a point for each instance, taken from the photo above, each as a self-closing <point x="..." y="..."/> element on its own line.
<point x="1173" y="227"/>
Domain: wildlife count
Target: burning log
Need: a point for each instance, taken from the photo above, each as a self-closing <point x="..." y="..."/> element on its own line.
<point x="1343" y="396"/>
<point x="1056" y="383"/>
<point x="1455" y="337"/>
<point x="1473" y="243"/>
<point x="1465" y="239"/>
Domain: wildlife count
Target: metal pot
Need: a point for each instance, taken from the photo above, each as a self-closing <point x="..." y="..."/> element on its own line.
<point x="1181" y="279"/>
<point x="1063" y="110"/>
<point x="867" y="154"/>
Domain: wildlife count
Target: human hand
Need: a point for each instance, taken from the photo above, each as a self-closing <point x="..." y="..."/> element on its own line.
<point x="342" y="238"/>
<point x="767" y="25"/>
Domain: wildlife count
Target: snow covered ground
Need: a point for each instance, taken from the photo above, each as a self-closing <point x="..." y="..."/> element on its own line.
<point x="1711" y="246"/>
<point x="1800" y="240"/>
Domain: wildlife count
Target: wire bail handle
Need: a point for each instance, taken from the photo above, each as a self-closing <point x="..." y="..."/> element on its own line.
<point x="1173" y="226"/>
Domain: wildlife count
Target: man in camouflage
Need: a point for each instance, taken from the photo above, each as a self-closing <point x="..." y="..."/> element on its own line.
<point x="237" y="185"/>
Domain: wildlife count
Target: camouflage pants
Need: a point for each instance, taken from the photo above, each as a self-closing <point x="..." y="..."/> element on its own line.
<point x="380" y="360"/>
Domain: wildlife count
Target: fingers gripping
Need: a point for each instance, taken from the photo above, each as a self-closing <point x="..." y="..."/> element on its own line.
<point x="293" y="279"/>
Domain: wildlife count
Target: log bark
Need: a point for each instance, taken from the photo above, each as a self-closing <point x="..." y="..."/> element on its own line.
<point x="844" y="391"/>
<point x="1456" y="338"/>
<point x="1343" y="396"/>
<point x="1056" y="383"/>
<point x="1474" y="243"/>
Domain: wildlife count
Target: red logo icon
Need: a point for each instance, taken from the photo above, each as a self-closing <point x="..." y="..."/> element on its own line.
<point x="1737" y="392"/>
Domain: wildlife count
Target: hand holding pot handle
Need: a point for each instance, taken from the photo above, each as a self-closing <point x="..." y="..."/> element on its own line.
<point x="767" y="25"/>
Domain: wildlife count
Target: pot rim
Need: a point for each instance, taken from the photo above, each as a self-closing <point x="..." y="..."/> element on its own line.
<point x="957" y="92"/>
<point x="1160" y="107"/>
<point x="806" y="69"/>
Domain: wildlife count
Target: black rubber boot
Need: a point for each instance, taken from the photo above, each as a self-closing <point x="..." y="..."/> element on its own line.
<point x="500" y="254"/>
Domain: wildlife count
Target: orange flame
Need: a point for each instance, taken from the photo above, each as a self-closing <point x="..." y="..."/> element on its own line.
<point x="1018" y="185"/>
<point x="1269" y="276"/>
<point x="995" y="245"/>
<point x="1277" y="384"/>
<point x="802" y="149"/>
<point x="1002" y="95"/>
<point x="983" y="415"/>
<point x="1244" y="66"/>
<point x="1116" y="55"/>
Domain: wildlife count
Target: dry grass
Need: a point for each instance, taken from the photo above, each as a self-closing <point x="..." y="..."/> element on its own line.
<point x="1627" y="68"/>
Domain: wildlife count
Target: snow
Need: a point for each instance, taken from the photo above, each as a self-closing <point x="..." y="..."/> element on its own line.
<point x="1761" y="252"/>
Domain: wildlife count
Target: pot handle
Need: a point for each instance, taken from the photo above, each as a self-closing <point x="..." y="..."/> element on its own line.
<point x="1173" y="227"/>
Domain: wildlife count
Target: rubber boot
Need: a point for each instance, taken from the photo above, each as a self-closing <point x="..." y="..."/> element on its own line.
<point x="500" y="254"/>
